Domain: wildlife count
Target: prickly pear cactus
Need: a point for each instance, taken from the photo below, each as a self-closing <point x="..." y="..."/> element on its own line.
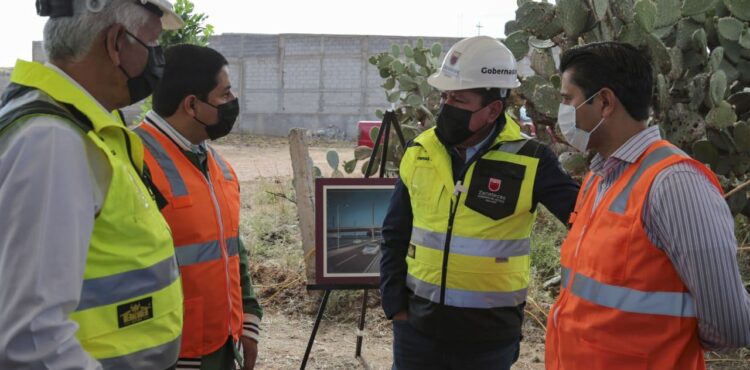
<point x="700" y="51"/>
<point x="405" y="69"/>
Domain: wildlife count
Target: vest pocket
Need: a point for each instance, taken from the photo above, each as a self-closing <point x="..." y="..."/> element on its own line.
<point x="425" y="189"/>
<point x="181" y="202"/>
<point x="495" y="188"/>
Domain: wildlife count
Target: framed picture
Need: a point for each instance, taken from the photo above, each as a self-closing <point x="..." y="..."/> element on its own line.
<point x="349" y="215"/>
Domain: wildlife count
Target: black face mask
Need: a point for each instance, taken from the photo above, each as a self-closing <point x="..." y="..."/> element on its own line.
<point x="453" y="125"/>
<point x="143" y="85"/>
<point x="228" y="113"/>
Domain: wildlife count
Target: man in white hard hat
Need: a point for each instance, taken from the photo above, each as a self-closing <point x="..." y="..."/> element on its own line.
<point x="455" y="260"/>
<point x="90" y="279"/>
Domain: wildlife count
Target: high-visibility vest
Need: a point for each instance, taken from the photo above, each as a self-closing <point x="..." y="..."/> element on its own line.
<point x="130" y="312"/>
<point x="622" y="304"/>
<point x="204" y="215"/>
<point x="461" y="255"/>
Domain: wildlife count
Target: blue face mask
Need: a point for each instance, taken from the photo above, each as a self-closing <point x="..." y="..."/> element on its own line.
<point x="566" y="119"/>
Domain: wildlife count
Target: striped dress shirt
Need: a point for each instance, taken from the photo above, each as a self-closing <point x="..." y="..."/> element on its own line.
<point x="687" y="218"/>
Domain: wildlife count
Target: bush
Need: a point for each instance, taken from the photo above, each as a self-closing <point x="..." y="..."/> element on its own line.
<point x="269" y="222"/>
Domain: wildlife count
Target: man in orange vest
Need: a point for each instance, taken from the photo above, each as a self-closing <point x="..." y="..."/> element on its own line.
<point x="649" y="268"/>
<point x="200" y="199"/>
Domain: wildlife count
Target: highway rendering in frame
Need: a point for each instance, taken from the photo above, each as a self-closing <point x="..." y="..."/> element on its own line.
<point x="349" y="220"/>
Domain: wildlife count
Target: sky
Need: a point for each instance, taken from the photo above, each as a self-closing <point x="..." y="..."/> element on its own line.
<point x="19" y="24"/>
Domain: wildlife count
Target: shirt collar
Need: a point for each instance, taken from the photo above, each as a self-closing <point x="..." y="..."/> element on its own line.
<point x="628" y="152"/>
<point x="175" y="135"/>
<point x="76" y="84"/>
<point x="474" y="149"/>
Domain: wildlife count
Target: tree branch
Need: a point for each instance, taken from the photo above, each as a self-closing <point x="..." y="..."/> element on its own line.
<point x="281" y="195"/>
<point x="737" y="189"/>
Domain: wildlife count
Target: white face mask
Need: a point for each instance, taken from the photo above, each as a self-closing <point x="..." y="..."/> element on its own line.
<point x="566" y="118"/>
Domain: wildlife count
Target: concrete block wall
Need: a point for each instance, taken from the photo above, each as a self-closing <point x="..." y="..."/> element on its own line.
<point x="320" y="82"/>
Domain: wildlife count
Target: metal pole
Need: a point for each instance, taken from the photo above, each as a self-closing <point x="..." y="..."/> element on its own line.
<point x="376" y="144"/>
<point x="386" y="136"/>
<point x="321" y="309"/>
<point x="360" y="332"/>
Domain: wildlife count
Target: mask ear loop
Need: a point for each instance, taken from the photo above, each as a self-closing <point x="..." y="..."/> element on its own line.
<point x="117" y="49"/>
<point x="597" y="126"/>
<point x="586" y="101"/>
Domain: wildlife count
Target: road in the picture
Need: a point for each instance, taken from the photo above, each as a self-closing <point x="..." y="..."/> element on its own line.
<point x="353" y="255"/>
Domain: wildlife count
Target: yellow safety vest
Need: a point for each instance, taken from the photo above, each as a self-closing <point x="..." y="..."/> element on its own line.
<point x="483" y="224"/>
<point x="130" y="309"/>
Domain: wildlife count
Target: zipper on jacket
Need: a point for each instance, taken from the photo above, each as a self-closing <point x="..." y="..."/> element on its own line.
<point x="447" y="245"/>
<point x="458" y="189"/>
<point x="223" y="246"/>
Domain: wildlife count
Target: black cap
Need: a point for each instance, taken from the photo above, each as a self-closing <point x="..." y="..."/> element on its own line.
<point x="54" y="8"/>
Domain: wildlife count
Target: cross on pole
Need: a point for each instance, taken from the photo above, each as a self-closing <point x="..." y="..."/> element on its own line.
<point x="479" y="28"/>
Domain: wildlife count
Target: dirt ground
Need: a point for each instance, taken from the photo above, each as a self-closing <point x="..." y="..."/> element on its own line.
<point x="285" y="330"/>
<point x="285" y="339"/>
<point x="254" y="157"/>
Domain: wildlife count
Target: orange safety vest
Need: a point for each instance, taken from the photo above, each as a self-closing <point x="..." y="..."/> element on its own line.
<point x="622" y="304"/>
<point x="204" y="217"/>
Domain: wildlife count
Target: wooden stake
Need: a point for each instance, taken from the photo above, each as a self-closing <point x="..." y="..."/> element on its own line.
<point x="302" y="169"/>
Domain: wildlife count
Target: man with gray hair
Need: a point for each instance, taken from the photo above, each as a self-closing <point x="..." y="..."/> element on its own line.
<point x="91" y="261"/>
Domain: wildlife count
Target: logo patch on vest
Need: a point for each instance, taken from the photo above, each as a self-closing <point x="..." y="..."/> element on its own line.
<point x="454" y="58"/>
<point x="412" y="251"/>
<point x="494" y="184"/>
<point x="134" y="312"/>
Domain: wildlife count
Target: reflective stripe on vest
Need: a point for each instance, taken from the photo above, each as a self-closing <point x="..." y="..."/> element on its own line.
<point x="167" y="165"/>
<point x="465" y="298"/>
<point x="204" y="252"/>
<point x="119" y="287"/>
<point x="630" y="300"/>
<point x="587" y="187"/>
<point x="620" y="202"/>
<point x="470" y="246"/>
<point x="144" y="359"/>
<point x="224" y="167"/>
<point x="233" y="246"/>
<point x="564" y="277"/>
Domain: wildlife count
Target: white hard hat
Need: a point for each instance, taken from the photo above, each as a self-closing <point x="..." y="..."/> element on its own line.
<point x="476" y="62"/>
<point x="169" y="19"/>
<point x="67" y="8"/>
